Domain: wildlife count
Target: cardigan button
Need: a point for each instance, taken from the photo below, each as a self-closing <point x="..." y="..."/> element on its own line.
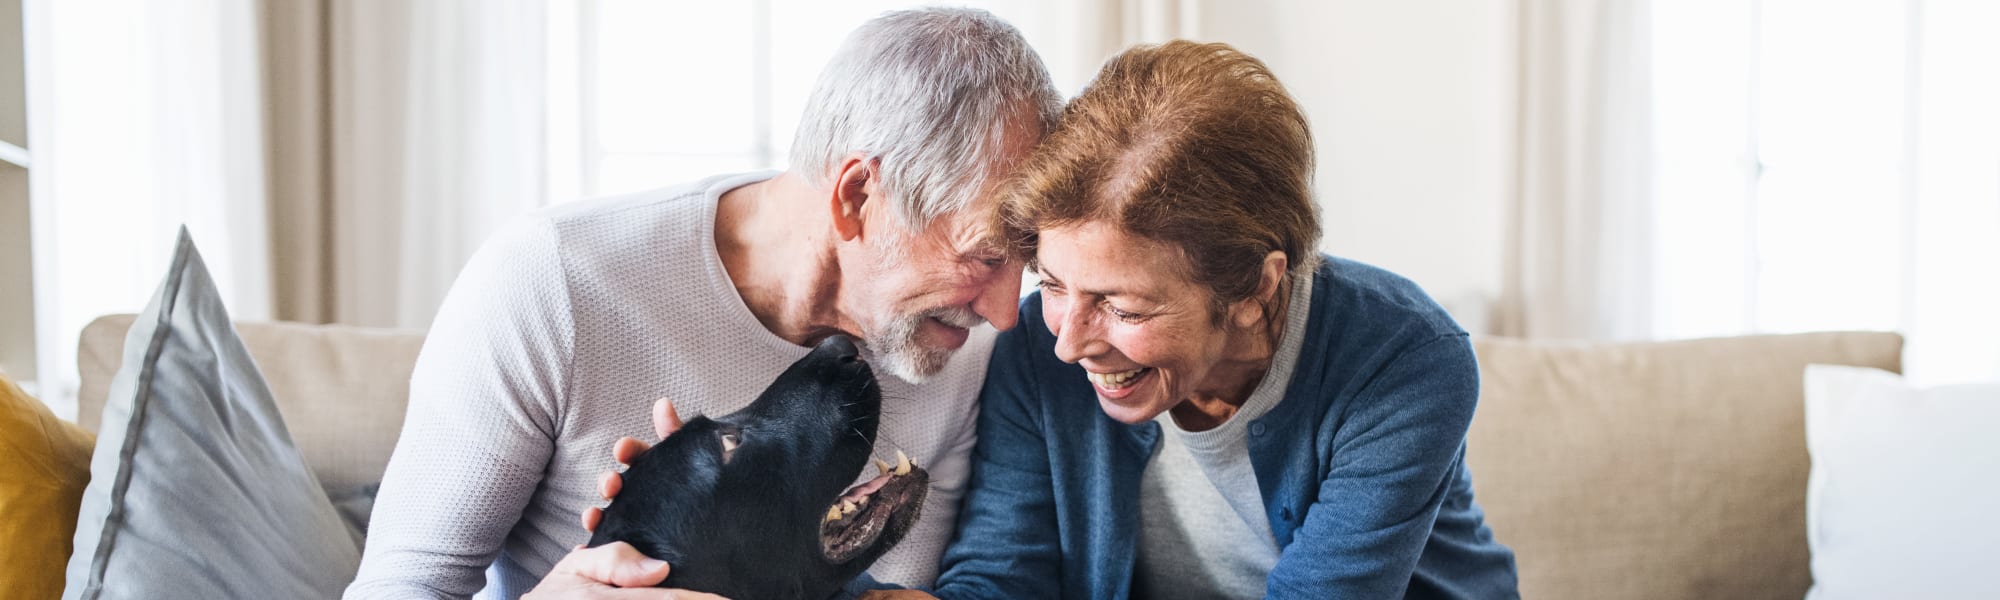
<point x="1256" y="429"/>
<point x="1287" y="515"/>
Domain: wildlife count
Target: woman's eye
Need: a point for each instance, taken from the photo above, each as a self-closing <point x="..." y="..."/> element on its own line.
<point x="1123" y="315"/>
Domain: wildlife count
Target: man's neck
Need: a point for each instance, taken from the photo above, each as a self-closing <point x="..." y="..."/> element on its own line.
<point x="776" y="244"/>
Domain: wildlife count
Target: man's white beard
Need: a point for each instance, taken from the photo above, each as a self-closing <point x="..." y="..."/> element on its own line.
<point x="897" y="350"/>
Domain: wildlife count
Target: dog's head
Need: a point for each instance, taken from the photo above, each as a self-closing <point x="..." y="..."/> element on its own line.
<point x="756" y="503"/>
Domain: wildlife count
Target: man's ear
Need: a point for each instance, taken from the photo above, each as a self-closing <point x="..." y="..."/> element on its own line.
<point x="1251" y="311"/>
<point x="854" y="183"/>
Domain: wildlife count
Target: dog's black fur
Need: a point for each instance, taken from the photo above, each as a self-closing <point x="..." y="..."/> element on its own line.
<point x="754" y="522"/>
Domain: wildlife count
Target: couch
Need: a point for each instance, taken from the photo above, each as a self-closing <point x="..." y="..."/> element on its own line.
<point x="1614" y="470"/>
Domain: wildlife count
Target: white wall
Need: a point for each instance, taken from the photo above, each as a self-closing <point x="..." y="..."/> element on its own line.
<point x="1411" y="102"/>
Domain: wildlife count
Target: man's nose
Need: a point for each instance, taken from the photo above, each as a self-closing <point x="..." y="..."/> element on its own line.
<point x="998" y="303"/>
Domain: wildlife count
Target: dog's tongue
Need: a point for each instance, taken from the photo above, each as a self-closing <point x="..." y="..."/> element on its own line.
<point x="856" y="492"/>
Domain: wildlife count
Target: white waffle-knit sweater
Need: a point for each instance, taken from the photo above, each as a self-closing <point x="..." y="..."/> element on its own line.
<point x="554" y="342"/>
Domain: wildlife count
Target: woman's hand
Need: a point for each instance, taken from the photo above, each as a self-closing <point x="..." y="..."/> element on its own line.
<point x="615" y="570"/>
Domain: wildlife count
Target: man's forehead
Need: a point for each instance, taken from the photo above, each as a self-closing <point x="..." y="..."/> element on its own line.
<point x="975" y="225"/>
<point x="973" y="235"/>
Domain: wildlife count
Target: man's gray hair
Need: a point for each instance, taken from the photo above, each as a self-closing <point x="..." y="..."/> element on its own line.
<point x="930" y="94"/>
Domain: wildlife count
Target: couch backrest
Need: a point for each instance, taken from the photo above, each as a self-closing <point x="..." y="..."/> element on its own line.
<point x="1633" y="470"/>
<point x="1654" y="470"/>
<point x="342" y="390"/>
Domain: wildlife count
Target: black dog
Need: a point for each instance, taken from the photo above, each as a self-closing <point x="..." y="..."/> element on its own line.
<point x="750" y="505"/>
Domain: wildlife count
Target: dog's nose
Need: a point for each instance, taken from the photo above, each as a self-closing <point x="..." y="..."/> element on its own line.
<point x="841" y="347"/>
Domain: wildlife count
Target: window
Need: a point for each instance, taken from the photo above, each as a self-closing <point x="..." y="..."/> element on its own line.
<point x="1831" y="166"/>
<point x="648" y="94"/>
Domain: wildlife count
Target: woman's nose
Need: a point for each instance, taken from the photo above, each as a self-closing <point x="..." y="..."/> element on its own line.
<point x="1076" y="335"/>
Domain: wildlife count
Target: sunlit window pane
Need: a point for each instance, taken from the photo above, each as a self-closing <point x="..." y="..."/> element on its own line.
<point x="1702" y="70"/>
<point x="1831" y="133"/>
<point x="622" y="173"/>
<point x="1879" y="203"/>
<point x="1955" y="328"/>
<point x="674" y="76"/>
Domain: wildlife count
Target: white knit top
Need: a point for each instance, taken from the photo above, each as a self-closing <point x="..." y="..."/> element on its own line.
<point x="553" y="343"/>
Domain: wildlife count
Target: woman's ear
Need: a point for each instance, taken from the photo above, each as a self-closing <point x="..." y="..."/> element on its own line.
<point x="854" y="182"/>
<point x="1255" y="309"/>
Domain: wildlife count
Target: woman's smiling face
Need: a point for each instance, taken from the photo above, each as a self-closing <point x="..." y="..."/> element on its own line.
<point x="1120" y="306"/>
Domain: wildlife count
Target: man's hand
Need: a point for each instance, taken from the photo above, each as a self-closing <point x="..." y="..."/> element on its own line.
<point x="606" y="571"/>
<point x="666" y="421"/>
<point x="614" y="570"/>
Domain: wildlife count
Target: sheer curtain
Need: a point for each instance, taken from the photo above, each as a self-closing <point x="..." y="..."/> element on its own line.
<point x="1578" y="256"/>
<point x="143" y="117"/>
<point x="337" y="161"/>
<point x="436" y="140"/>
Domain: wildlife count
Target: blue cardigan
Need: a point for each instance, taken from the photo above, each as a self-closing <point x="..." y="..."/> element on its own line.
<point x="1362" y="465"/>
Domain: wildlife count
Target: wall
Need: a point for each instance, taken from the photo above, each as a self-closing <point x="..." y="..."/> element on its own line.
<point x="17" y="297"/>
<point x="1411" y="103"/>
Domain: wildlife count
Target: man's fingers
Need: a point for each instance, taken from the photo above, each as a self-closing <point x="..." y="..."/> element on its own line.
<point x="591" y="517"/>
<point x="609" y="485"/>
<point x="627" y="449"/>
<point x="619" y="564"/>
<point x="666" y="420"/>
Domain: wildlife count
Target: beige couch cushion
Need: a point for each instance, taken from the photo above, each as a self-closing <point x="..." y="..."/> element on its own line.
<point x="1641" y="470"/>
<point x="342" y="390"/>
<point x="1654" y="470"/>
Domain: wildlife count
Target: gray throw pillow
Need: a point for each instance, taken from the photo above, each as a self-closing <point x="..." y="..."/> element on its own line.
<point x="196" y="490"/>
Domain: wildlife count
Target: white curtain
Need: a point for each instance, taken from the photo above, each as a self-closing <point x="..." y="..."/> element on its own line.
<point x="335" y="161"/>
<point x="143" y="118"/>
<point x="1579" y="252"/>
<point x="438" y="139"/>
<point x="1107" y="27"/>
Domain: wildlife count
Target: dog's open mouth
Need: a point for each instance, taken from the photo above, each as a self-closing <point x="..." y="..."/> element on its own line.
<point x="863" y="513"/>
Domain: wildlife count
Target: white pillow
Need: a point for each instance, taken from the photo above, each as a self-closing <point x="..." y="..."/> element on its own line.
<point x="1904" y="497"/>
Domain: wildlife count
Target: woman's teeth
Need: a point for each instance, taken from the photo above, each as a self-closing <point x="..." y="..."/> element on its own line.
<point x="1113" y="381"/>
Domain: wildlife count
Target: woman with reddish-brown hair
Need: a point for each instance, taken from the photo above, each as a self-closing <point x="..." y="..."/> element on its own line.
<point x="1197" y="403"/>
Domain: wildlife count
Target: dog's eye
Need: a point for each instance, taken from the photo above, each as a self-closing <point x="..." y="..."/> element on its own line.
<point x="729" y="443"/>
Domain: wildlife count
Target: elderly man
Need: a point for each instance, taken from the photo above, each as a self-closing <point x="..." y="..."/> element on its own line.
<point x="562" y="331"/>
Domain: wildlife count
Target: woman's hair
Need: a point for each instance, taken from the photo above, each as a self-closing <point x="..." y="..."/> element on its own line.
<point x="1193" y="145"/>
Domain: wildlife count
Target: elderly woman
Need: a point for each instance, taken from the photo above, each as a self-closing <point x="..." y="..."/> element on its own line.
<point x="1266" y="420"/>
<point x="1197" y="404"/>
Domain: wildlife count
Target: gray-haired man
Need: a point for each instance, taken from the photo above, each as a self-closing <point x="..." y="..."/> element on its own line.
<point x="563" y="330"/>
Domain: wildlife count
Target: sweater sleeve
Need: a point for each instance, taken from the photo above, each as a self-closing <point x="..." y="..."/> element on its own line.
<point x="1396" y="453"/>
<point x="481" y="424"/>
<point x="1006" y="545"/>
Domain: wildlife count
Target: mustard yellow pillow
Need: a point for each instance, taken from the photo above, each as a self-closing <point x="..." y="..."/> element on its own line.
<point x="42" y="477"/>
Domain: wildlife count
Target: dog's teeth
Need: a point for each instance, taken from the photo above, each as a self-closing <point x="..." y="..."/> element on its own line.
<point x="882" y="466"/>
<point x="847" y="507"/>
<point x="832" y="514"/>
<point x="902" y="463"/>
